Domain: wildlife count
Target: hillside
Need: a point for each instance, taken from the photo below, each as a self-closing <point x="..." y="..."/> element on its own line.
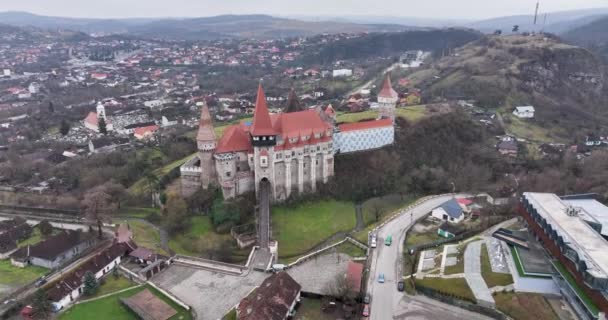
<point x="593" y="35"/>
<point x="208" y="28"/>
<point x="557" y="22"/>
<point x="566" y="84"/>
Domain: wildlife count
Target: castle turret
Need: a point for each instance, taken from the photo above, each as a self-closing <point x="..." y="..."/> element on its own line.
<point x="263" y="140"/>
<point x="206" y="143"/>
<point x="387" y="99"/>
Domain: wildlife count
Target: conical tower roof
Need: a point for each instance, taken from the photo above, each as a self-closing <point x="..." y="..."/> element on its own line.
<point x="205" y="126"/>
<point x="262" y="126"/>
<point x="293" y="104"/>
<point x="387" y="89"/>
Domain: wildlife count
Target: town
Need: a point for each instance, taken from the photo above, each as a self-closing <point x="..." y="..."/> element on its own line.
<point x="374" y="172"/>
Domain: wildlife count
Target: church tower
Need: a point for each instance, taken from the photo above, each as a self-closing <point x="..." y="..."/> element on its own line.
<point x="387" y="99"/>
<point x="101" y="111"/>
<point x="206" y="144"/>
<point x="263" y="140"/>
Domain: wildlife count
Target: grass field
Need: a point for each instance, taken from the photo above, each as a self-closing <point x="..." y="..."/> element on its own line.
<point x="411" y="113"/>
<point x="199" y="238"/>
<point x="351" y="250"/>
<point x="456" y="286"/>
<point x="111" y="308"/>
<point x="144" y="235"/>
<point x="301" y="228"/>
<point x="139" y="186"/>
<point x="492" y="279"/>
<point x="356" y="116"/>
<point x="113" y="284"/>
<point x="135" y="212"/>
<point x="459" y="266"/>
<point x="34" y="238"/>
<point x="416" y="238"/>
<point x="389" y="205"/>
<point x="310" y="309"/>
<point x="525" y="306"/>
<point x="14" y="277"/>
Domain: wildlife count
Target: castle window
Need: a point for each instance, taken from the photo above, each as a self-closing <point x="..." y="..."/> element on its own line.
<point x="264" y="161"/>
<point x="271" y="138"/>
<point x="256" y="138"/>
<point x="318" y="148"/>
<point x="293" y="153"/>
<point x="228" y="173"/>
<point x="263" y="138"/>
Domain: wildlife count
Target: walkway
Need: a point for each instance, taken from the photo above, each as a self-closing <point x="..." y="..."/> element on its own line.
<point x="472" y="271"/>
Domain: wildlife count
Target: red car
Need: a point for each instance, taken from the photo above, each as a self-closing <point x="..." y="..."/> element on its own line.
<point x="366" y="310"/>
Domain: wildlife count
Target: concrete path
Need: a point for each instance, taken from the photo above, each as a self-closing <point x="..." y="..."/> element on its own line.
<point x="472" y="271"/>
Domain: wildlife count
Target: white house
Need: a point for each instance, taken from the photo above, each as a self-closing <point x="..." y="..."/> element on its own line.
<point x="449" y="211"/>
<point x="167" y="122"/>
<point x="6" y="72"/>
<point x="524" y="112"/>
<point x="71" y="286"/>
<point x="342" y="73"/>
<point x="154" y="104"/>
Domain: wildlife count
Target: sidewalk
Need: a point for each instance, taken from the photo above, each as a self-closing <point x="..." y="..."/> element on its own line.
<point x="472" y="270"/>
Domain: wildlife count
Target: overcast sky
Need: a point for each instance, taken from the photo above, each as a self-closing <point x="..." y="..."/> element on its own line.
<point x="456" y="9"/>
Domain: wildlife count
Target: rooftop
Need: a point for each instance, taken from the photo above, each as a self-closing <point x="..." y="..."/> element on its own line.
<point x="575" y="232"/>
<point x="271" y="300"/>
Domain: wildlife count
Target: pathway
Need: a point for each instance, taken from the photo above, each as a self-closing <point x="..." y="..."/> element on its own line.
<point x="472" y="271"/>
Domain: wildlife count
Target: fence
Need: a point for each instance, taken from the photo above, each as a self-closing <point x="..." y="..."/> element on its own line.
<point x="469" y="233"/>
<point x="461" y="302"/>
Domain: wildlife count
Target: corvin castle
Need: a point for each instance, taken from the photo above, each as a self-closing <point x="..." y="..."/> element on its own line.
<point x="292" y="150"/>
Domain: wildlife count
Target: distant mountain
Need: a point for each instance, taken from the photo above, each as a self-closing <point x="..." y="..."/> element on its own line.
<point x="407" y="21"/>
<point x="593" y="36"/>
<point x="225" y="26"/>
<point x="557" y="22"/>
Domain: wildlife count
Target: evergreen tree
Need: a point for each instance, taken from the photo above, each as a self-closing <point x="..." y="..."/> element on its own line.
<point x="41" y="305"/>
<point x="90" y="284"/>
<point x="64" y="128"/>
<point x="101" y="124"/>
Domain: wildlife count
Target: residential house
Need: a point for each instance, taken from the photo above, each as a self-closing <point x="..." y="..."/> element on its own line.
<point x="106" y="144"/>
<point x="450" y="211"/>
<point x="54" y="251"/>
<point x="341" y="73"/>
<point x="130" y="129"/>
<point x="508" y="148"/>
<point x="152" y="104"/>
<point x="168" y="121"/>
<point x="275" y="299"/>
<point x="524" y="112"/>
<point x="71" y="286"/>
<point x="142" y="133"/>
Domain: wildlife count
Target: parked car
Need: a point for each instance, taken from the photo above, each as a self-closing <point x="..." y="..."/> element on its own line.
<point x="365" y="312"/>
<point x="400" y="286"/>
<point x="381" y="278"/>
<point x="374" y="240"/>
<point x="388" y="240"/>
<point x="40" y="282"/>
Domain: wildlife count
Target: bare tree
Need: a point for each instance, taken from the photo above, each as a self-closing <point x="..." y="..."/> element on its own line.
<point x="98" y="206"/>
<point x="377" y="210"/>
<point x="340" y="288"/>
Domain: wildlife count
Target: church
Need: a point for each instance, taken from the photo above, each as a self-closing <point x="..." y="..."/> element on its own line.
<point x="293" y="151"/>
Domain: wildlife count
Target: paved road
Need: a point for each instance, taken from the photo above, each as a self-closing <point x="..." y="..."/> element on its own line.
<point x="387" y="260"/>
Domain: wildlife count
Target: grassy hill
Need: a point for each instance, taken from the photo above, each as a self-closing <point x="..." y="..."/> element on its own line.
<point x="566" y="84"/>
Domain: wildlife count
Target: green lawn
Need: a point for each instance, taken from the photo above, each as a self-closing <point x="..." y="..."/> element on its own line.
<point x="350" y="249"/>
<point x="113" y="284"/>
<point x="199" y="238"/>
<point x="411" y="113"/>
<point x="139" y="186"/>
<point x="459" y="266"/>
<point x="301" y="228"/>
<point x="525" y="306"/>
<point x="14" y="276"/>
<point x="389" y="205"/>
<point x="356" y="116"/>
<point x="455" y="286"/>
<point x="144" y="235"/>
<point x="492" y="279"/>
<point x="579" y="291"/>
<point x="111" y="308"/>
<point x="135" y="212"/>
<point x="416" y="238"/>
<point x="310" y="309"/>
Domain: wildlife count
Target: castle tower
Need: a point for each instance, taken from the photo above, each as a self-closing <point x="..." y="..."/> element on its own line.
<point x="206" y="143"/>
<point x="263" y="140"/>
<point x="101" y="111"/>
<point x="387" y="99"/>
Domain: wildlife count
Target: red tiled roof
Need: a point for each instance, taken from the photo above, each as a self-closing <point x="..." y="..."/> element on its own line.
<point x="330" y="110"/>
<point x="271" y="300"/>
<point x="466" y="202"/>
<point x="235" y="139"/>
<point x="91" y="118"/>
<point x="354" y="273"/>
<point x="262" y="126"/>
<point x="387" y="89"/>
<point x="364" y="125"/>
<point x="298" y="124"/>
<point x="142" y="131"/>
